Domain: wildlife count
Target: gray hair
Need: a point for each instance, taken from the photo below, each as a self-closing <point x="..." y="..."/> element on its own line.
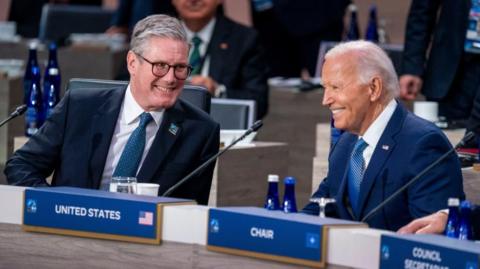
<point x="371" y="61"/>
<point x="156" y="26"/>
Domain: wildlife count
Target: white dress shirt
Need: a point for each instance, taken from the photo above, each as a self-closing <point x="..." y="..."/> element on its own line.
<point x="375" y="130"/>
<point x="127" y="122"/>
<point x="205" y="35"/>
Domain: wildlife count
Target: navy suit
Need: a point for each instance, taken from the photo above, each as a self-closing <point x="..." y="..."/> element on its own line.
<point x="407" y="146"/>
<point x="75" y="140"/>
<point x="237" y="61"/>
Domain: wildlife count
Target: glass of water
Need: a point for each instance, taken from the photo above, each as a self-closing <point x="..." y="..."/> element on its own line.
<point x="124" y="184"/>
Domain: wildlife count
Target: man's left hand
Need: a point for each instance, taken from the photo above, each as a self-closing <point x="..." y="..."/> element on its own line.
<point x="434" y="223"/>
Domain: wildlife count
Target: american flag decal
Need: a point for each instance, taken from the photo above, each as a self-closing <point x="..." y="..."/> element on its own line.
<point x="145" y="218"/>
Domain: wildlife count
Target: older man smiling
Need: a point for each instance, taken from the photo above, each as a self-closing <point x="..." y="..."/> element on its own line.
<point x="384" y="145"/>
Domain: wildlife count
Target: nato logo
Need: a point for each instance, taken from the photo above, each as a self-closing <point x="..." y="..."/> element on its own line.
<point x="214" y="226"/>
<point x="385" y="252"/>
<point x="312" y="240"/>
<point x="31" y="206"/>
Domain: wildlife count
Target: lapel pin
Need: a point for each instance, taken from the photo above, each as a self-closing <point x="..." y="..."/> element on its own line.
<point x="385" y="147"/>
<point x="173" y="129"/>
<point x="223" y="46"/>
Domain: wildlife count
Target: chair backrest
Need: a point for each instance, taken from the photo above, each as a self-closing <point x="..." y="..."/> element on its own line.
<point x="394" y="51"/>
<point x="195" y="95"/>
<point x="233" y="113"/>
<point x="57" y="22"/>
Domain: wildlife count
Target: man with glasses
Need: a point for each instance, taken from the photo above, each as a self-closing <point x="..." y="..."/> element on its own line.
<point x="143" y="131"/>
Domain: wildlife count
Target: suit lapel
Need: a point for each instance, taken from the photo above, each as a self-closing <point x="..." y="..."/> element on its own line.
<point x="218" y="48"/>
<point x="380" y="156"/>
<point x="103" y="126"/>
<point x="168" y="133"/>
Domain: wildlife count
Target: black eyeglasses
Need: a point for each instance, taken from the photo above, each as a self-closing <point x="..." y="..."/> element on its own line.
<point x="160" y="69"/>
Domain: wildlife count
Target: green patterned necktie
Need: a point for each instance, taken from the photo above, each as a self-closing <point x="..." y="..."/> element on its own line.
<point x="195" y="59"/>
<point x="132" y="153"/>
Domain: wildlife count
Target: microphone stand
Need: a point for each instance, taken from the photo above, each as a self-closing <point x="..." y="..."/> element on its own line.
<point x="253" y="128"/>
<point x="18" y="111"/>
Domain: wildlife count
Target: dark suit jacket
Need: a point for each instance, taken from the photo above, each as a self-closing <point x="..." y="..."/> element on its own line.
<point x="407" y="146"/>
<point x="129" y="12"/>
<point x="447" y="45"/>
<point x="74" y="143"/>
<point x="237" y="61"/>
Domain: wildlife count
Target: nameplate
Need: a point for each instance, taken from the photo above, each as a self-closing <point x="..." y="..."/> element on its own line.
<point x="96" y="214"/>
<point x="273" y="235"/>
<point x="427" y="251"/>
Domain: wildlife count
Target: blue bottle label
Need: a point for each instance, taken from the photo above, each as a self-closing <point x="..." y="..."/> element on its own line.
<point x="31" y="118"/>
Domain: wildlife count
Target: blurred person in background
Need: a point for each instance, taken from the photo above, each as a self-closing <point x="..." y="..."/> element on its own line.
<point x="129" y="12"/>
<point x="439" y="61"/>
<point x="291" y="32"/>
<point x="226" y="56"/>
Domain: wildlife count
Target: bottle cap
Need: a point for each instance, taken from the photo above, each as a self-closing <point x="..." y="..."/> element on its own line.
<point x="33" y="45"/>
<point x="52" y="46"/>
<point x="352" y="8"/>
<point x="289" y="180"/>
<point x="272" y="178"/>
<point x="453" y="202"/>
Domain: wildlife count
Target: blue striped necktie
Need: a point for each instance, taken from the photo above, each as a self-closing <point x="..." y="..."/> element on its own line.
<point x="132" y="153"/>
<point x="356" y="169"/>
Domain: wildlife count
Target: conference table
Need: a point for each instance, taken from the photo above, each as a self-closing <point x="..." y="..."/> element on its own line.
<point x="19" y="249"/>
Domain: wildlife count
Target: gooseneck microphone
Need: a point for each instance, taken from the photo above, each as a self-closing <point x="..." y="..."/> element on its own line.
<point x="18" y="111"/>
<point x="460" y="144"/>
<point x="252" y="128"/>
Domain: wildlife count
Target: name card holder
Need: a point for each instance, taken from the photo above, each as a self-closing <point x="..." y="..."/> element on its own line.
<point x="272" y="235"/>
<point x="95" y="214"/>
<point x="428" y="251"/>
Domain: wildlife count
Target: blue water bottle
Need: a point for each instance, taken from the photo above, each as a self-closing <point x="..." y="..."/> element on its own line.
<point x="33" y="116"/>
<point x="27" y="78"/>
<point x="51" y="92"/>
<point x="272" y="203"/>
<point x="451" y="229"/>
<point x="353" y="33"/>
<point x="465" y="226"/>
<point x="372" y="29"/>
<point x="289" y="202"/>
<point x="52" y="72"/>
<point x="335" y="133"/>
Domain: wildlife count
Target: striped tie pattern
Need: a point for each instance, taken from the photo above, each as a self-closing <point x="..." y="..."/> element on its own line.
<point x="132" y="153"/>
<point x="356" y="170"/>
<point x="195" y="58"/>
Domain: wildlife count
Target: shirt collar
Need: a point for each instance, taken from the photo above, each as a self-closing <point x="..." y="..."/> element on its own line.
<point x="205" y="34"/>
<point x="132" y="110"/>
<point x="375" y="130"/>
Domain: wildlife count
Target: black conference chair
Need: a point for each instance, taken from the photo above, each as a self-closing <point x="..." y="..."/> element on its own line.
<point x="233" y="113"/>
<point x="195" y="95"/>
<point x="57" y="22"/>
